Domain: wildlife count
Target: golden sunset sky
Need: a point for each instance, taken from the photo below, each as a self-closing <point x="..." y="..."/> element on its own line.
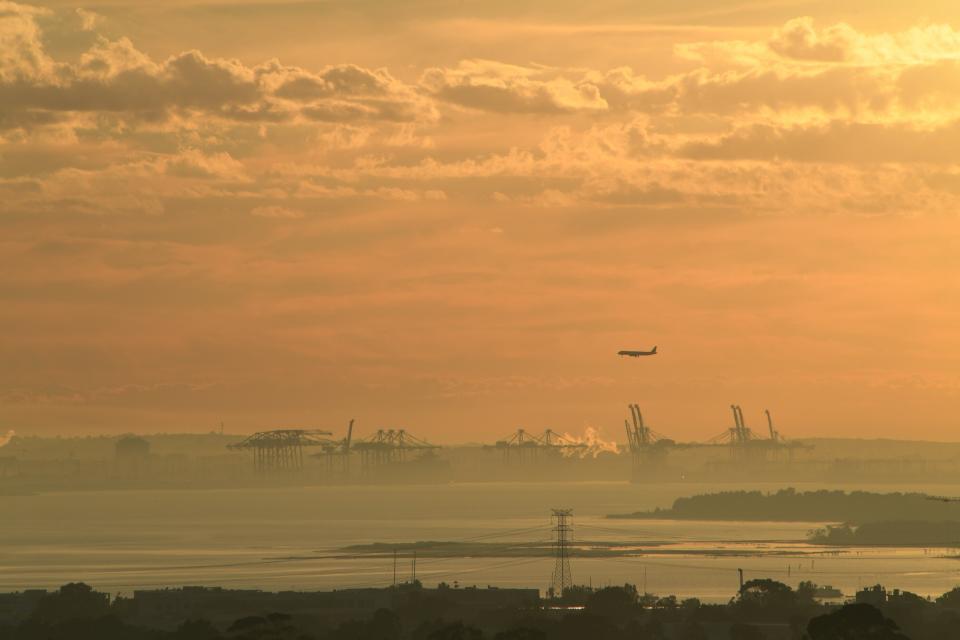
<point x="449" y="216"/>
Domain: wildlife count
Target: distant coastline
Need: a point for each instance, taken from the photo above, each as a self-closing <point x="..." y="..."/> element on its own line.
<point x="857" y="518"/>
<point x="892" y="533"/>
<point x="789" y="505"/>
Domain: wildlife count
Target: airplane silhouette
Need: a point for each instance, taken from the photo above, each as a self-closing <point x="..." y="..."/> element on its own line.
<point x="637" y="354"/>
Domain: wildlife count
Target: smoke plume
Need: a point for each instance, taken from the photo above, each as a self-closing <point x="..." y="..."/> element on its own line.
<point x="595" y="445"/>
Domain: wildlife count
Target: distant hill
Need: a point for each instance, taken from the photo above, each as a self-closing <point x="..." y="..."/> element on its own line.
<point x="914" y="533"/>
<point x="789" y="505"/>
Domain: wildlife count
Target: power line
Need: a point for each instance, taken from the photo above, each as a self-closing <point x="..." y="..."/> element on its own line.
<point x="490" y="567"/>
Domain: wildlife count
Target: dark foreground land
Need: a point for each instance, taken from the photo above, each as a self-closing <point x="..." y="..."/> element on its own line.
<point x="762" y="609"/>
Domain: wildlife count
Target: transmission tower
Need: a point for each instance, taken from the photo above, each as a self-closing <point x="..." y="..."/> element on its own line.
<point x="563" y="529"/>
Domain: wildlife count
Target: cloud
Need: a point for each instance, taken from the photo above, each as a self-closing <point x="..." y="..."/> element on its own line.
<point x="114" y="78"/>
<point x="205" y="133"/>
<point x="930" y="87"/>
<point x="88" y="19"/>
<point x="347" y="79"/>
<point x="505" y="88"/>
<point x="21" y="46"/>
<point x="833" y="69"/>
<point x="276" y="211"/>
<point x="829" y="91"/>
<point x="195" y="164"/>
<point x="800" y="40"/>
<point x="835" y="142"/>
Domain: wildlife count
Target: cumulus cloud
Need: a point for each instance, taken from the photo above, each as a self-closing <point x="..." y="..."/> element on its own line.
<point x="830" y="69"/>
<point x="833" y="69"/>
<point x="802" y="42"/>
<point x="113" y="77"/>
<point x="269" y="138"/>
<point x="347" y="79"/>
<point x="195" y="164"/>
<point x="799" y="39"/>
<point x="506" y="88"/>
<point x="21" y="48"/>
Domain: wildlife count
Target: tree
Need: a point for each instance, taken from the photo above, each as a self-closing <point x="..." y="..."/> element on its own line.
<point x="773" y="597"/>
<point x="951" y="599"/>
<point x="103" y="628"/>
<point x="648" y="600"/>
<point x="521" y="633"/>
<point x="196" y="630"/>
<point x="271" y="626"/>
<point x="806" y="593"/>
<point x="384" y="625"/>
<point x="854" y="622"/>
<point x="944" y="625"/>
<point x="653" y="630"/>
<point x="742" y="631"/>
<point x="691" y="630"/>
<point x="578" y="626"/>
<point x="613" y="603"/>
<point x="574" y="594"/>
<point x="73" y="601"/>
<point x="690" y="604"/>
<point x="246" y="623"/>
<point x="456" y="631"/>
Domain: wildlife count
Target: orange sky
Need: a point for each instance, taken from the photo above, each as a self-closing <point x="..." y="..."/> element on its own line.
<point x="449" y="216"/>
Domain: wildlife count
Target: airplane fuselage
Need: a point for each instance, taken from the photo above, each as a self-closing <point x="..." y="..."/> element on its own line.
<point x="637" y="354"/>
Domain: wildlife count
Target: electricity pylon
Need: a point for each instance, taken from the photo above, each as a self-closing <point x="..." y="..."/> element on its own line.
<point x="562" y="579"/>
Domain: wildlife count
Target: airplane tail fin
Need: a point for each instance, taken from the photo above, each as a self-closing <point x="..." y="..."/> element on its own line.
<point x="654" y="349"/>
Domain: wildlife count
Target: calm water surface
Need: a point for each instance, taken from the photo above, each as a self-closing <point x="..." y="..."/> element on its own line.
<point x="278" y="538"/>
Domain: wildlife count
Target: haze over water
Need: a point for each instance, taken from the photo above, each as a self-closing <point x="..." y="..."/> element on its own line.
<point x="119" y="541"/>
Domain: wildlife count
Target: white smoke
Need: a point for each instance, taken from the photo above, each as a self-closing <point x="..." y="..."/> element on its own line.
<point x="595" y="445"/>
<point x="5" y="439"/>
